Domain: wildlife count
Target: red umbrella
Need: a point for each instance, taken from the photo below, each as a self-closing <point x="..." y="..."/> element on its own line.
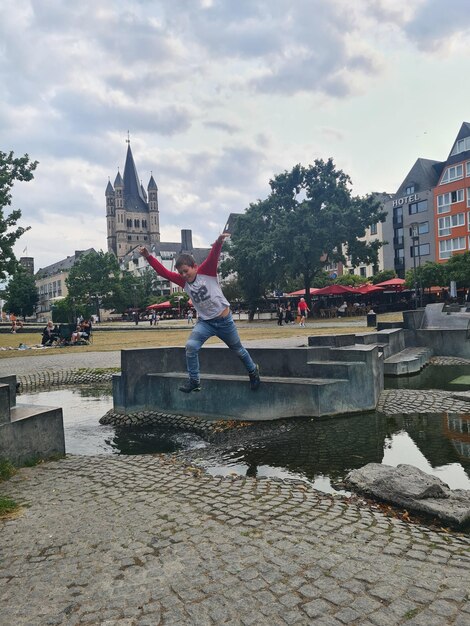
<point x="368" y="288"/>
<point x="301" y="292"/>
<point x="335" y="290"/>
<point x="161" y="305"/>
<point x="393" y="282"/>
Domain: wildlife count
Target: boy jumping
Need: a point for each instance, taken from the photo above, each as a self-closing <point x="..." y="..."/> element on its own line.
<point x="213" y="310"/>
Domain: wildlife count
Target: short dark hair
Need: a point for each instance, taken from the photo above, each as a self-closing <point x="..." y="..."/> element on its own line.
<point x="185" y="259"/>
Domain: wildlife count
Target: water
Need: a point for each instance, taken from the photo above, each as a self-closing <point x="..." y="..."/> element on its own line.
<point x="318" y="451"/>
<point x="83" y="406"/>
<point x="446" y="377"/>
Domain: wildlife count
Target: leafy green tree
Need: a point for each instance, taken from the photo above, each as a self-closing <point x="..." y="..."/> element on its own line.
<point x="428" y="275"/>
<point x="11" y="170"/>
<point x="350" y="280"/>
<point x="21" y="293"/>
<point x="94" y="280"/>
<point x="306" y="222"/>
<point x="66" y="311"/>
<point x="380" y="277"/>
<point x="458" y="268"/>
<point x="232" y="290"/>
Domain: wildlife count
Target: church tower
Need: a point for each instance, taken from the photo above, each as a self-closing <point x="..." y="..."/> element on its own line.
<point x="132" y="218"/>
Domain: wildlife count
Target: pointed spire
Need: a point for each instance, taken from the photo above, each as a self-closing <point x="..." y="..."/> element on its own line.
<point x="152" y="184"/>
<point x="109" y="189"/>
<point x="133" y="197"/>
<point x="143" y="191"/>
<point x="118" y="182"/>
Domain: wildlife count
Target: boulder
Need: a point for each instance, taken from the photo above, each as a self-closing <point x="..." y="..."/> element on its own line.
<point x="409" y="487"/>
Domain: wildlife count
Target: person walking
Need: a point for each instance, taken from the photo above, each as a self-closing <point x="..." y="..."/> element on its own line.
<point x="302" y="310"/>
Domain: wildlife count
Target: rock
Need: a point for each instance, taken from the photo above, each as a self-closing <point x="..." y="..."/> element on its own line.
<point x="409" y="487"/>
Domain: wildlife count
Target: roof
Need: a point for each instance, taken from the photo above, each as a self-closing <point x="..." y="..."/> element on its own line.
<point x="61" y="266"/>
<point x="152" y="184"/>
<point x="424" y="174"/>
<point x="461" y="156"/>
<point x="109" y="189"/>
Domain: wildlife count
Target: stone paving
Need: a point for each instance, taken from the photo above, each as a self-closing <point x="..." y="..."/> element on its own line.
<point x="147" y="541"/>
<point x="143" y="541"/>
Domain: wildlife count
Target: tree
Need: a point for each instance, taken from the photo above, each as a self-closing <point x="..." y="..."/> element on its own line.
<point x="94" y="280"/>
<point x="11" y="170"/>
<point x="380" y="277"/>
<point x="306" y="222"/>
<point x="22" y="294"/>
<point x="350" y="280"/>
<point x="428" y="275"/>
<point x="458" y="268"/>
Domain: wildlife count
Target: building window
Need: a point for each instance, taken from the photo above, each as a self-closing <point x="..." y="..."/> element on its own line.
<point x="362" y="271"/>
<point x="418" y="207"/>
<point x="455" y="172"/>
<point x="129" y="223"/>
<point x="447" y="246"/>
<point x="351" y="272"/>
<point x="445" y="224"/>
<point x="144" y="223"/>
<point x="467" y="168"/>
<point x="373" y="229"/>
<point x="399" y="254"/>
<point x="423" y="228"/>
<point x="461" y="146"/>
<point x="423" y="250"/>
<point x="409" y="190"/>
<point x="129" y="237"/>
<point x="445" y="200"/>
<point x="136" y="224"/>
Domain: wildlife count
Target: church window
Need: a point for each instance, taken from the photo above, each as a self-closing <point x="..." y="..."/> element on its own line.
<point x="136" y="223"/>
<point x="144" y="223"/>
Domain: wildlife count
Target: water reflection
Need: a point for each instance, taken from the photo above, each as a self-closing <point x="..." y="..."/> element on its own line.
<point x="445" y="377"/>
<point x="320" y="452"/>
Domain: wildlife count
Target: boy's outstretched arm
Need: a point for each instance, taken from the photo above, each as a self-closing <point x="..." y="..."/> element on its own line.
<point x="161" y="270"/>
<point x="209" y="266"/>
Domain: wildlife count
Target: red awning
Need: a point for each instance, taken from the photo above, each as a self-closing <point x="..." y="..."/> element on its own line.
<point x="393" y="282"/>
<point x="335" y="290"/>
<point x="160" y="305"/>
<point x="301" y="292"/>
<point x="367" y="288"/>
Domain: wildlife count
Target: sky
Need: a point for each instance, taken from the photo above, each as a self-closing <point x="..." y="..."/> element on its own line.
<point x="218" y="97"/>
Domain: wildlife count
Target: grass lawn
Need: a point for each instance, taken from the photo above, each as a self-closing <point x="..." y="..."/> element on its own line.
<point x="104" y="341"/>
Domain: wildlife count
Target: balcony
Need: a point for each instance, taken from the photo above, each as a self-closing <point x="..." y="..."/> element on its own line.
<point x="398" y="222"/>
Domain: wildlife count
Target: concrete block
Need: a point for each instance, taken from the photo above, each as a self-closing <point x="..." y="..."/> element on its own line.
<point x="332" y="341"/>
<point x="4" y="404"/>
<point x="34" y="433"/>
<point x="11" y="382"/>
<point x="230" y="397"/>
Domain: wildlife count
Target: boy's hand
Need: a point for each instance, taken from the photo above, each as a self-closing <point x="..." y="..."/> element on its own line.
<point x="221" y="238"/>
<point x="144" y="252"/>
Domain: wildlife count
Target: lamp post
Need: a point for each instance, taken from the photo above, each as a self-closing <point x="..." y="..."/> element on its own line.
<point x="414" y="229"/>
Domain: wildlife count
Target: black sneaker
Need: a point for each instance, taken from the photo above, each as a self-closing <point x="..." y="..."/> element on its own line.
<point x="255" y="381"/>
<point x="190" y="385"/>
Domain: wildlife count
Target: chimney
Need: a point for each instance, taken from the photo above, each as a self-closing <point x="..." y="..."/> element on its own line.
<point x="186" y="241"/>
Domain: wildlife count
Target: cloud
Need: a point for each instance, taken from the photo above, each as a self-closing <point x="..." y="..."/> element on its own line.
<point x="436" y="25"/>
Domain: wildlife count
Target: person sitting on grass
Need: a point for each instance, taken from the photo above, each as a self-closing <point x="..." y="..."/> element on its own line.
<point x="49" y="334"/>
<point x="83" y="332"/>
<point x="213" y="310"/>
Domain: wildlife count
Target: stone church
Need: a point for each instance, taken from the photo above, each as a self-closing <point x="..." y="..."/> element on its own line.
<point x="131" y="212"/>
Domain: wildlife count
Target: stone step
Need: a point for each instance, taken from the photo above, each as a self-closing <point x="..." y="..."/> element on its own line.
<point x="408" y="361"/>
<point x="335" y="369"/>
<point x="230" y="397"/>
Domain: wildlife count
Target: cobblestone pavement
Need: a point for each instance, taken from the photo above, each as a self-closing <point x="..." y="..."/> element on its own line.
<point x="143" y="541"/>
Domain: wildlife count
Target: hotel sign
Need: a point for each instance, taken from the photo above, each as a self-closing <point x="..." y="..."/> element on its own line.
<point x="406" y="200"/>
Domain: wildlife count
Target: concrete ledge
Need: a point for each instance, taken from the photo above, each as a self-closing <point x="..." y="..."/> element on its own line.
<point x="230" y="397"/>
<point x="34" y="433"/>
<point x="4" y="404"/>
<point x="408" y="361"/>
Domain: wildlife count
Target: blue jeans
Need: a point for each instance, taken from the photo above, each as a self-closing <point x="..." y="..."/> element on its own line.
<point x="222" y="327"/>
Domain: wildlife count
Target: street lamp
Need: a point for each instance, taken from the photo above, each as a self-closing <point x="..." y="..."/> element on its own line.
<point x="414" y="230"/>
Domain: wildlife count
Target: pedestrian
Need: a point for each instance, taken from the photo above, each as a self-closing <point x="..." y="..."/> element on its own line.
<point x="302" y="309"/>
<point x="289" y="317"/>
<point x="280" y="315"/>
<point x="190" y="317"/>
<point x="136" y="317"/>
<point x="213" y="310"/>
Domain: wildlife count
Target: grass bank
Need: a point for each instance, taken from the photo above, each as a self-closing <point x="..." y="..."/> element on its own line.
<point x="177" y="333"/>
